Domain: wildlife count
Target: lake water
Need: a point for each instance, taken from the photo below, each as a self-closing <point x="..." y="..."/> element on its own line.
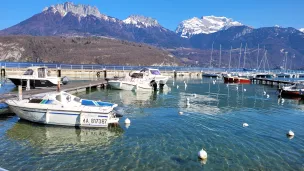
<point x="159" y="138"/>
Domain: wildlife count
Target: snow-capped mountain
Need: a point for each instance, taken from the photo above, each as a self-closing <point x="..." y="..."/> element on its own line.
<point x="301" y="30"/>
<point x="141" y="21"/>
<point x="206" y="25"/>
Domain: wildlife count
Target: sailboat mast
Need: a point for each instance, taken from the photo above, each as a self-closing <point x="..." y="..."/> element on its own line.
<point x="258" y="56"/>
<point x="286" y="54"/>
<point x="245" y="56"/>
<point x="230" y="58"/>
<point x="240" y="56"/>
<point x="220" y="56"/>
<point x="211" y="55"/>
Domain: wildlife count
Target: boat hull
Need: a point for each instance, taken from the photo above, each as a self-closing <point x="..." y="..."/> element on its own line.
<point x="33" y="82"/>
<point x="63" y="117"/>
<point x="121" y="85"/>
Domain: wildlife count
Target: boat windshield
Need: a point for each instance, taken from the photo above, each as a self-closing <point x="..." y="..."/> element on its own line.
<point x="155" y="72"/>
<point x="29" y="72"/>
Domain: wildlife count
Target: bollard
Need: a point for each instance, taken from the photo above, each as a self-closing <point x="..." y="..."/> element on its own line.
<point x="105" y="73"/>
<point x="2" y="71"/>
<point x="20" y="92"/>
<point x="58" y="86"/>
<point x="58" y="72"/>
<point x="28" y="85"/>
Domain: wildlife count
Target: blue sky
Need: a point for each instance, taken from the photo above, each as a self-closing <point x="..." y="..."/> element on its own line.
<point x="169" y="13"/>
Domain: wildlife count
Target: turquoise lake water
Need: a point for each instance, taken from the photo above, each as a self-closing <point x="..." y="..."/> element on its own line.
<point x="159" y="138"/>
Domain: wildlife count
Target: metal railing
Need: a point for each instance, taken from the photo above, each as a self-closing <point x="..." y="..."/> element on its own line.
<point x="117" y="67"/>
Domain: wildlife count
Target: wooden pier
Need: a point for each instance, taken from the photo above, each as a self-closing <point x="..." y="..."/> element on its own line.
<point x="72" y="87"/>
<point x="271" y="82"/>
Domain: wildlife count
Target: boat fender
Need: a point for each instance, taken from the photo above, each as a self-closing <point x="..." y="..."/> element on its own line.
<point x="98" y="74"/>
<point x="65" y="80"/>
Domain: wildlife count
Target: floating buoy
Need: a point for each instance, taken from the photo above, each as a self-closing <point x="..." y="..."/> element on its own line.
<point x="202" y="154"/>
<point x="290" y="133"/>
<point x="177" y="86"/>
<point x="245" y="89"/>
<point x="127" y="121"/>
<point x="267" y="96"/>
<point x="283" y="100"/>
<point x="237" y="88"/>
<point x="245" y="124"/>
<point x="181" y="113"/>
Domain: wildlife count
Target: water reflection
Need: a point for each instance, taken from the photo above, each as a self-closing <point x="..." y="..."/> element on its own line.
<point x="58" y="139"/>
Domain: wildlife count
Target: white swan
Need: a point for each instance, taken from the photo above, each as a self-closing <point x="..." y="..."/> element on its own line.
<point x="202" y="154"/>
<point x="127" y="121"/>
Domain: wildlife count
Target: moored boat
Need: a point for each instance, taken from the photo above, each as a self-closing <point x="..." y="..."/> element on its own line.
<point x="61" y="108"/>
<point x="147" y="79"/>
<point x="35" y="77"/>
<point x="293" y="90"/>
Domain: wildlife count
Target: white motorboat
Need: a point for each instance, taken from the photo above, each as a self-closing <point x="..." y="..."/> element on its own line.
<point x="37" y="77"/>
<point x="147" y="79"/>
<point x="61" y="108"/>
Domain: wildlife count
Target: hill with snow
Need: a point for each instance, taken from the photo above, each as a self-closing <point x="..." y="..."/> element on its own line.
<point x="206" y="25"/>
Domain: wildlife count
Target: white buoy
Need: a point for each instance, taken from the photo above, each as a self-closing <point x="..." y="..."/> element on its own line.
<point x="264" y="92"/>
<point x="202" y="154"/>
<point x="245" y="89"/>
<point x="177" y="86"/>
<point x="290" y="133"/>
<point x="127" y="121"/>
<point x="245" y="124"/>
<point x="267" y="96"/>
<point x="283" y="100"/>
<point x="181" y="113"/>
<point x="237" y="88"/>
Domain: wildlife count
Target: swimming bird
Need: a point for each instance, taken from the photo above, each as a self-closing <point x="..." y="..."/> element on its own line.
<point x="245" y="124"/>
<point x="267" y="96"/>
<point x="264" y="92"/>
<point x="181" y="113"/>
<point x="290" y="133"/>
<point x="282" y="100"/>
<point x="127" y="121"/>
<point x="188" y="102"/>
<point x="202" y="154"/>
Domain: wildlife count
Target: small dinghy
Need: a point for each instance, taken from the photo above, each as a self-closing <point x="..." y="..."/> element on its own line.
<point x="61" y="108"/>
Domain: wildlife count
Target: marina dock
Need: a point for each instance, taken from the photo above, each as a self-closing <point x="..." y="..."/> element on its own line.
<point x="72" y="87"/>
<point x="271" y="82"/>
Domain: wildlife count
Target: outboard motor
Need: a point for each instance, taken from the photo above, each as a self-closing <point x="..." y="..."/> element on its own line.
<point x="154" y="85"/>
<point x="65" y="80"/>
